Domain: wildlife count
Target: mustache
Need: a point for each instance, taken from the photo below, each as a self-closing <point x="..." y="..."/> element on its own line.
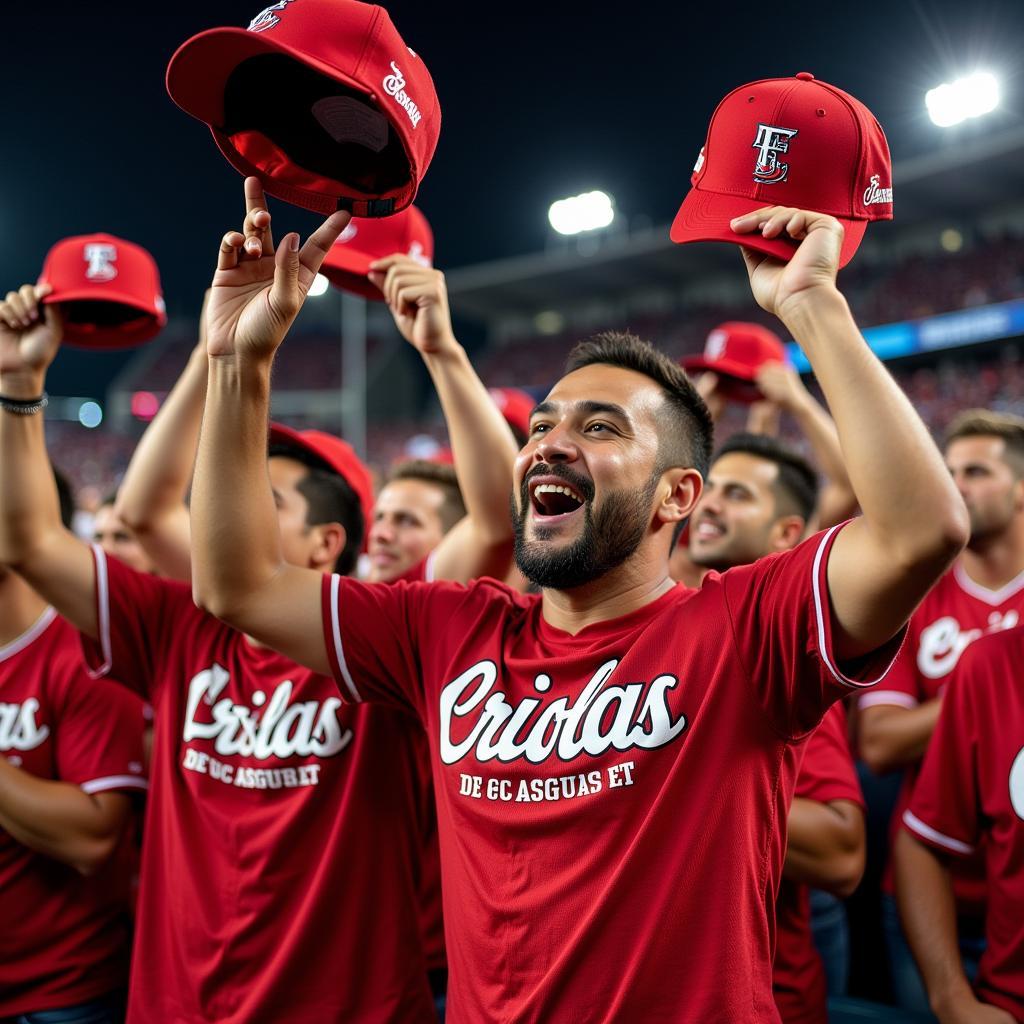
<point x="581" y="484"/>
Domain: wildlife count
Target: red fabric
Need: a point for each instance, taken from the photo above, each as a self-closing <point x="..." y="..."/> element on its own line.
<point x="971" y="788"/>
<point x="827" y="773"/>
<point x="953" y="615"/>
<point x="821" y="148"/>
<point x="283" y="830"/>
<point x="65" y="938"/>
<point x="588" y="785"/>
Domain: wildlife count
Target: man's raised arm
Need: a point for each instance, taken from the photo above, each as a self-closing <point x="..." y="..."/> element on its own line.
<point x="238" y="571"/>
<point x="914" y="521"/>
<point x="33" y="540"/>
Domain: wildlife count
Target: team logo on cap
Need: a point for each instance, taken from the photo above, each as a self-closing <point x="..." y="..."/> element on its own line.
<point x="417" y="253"/>
<point x="769" y="143"/>
<point x="874" y="194"/>
<point x="267" y="18"/>
<point x="99" y="257"/>
<point x="394" y="85"/>
<point x="714" y="347"/>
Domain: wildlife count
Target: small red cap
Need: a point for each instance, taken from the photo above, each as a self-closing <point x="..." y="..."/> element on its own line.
<point x="735" y="351"/>
<point x="108" y="290"/>
<point x="788" y="142"/>
<point x="366" y="240"/>
<point x="338" y="455"/>
<point x="319" y="99"/>
<point x="516" y="406"/>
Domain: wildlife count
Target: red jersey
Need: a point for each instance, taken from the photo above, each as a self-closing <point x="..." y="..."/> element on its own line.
<point x="64" y="938"/>
<point x="611" y="804"/>
<point x="826" y="773"/>
<point x="280" y="868"/>
<point x="953" y="615"/>
<point x="972" y="787"/>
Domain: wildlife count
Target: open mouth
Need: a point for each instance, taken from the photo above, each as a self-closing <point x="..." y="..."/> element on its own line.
<point x="554" y="502"/>
<point x="708" y="530"/>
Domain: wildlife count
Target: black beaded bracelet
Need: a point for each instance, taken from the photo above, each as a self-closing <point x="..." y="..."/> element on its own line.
<point x="24" y="406"/>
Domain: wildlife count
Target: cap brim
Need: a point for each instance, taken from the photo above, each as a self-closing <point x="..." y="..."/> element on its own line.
<point x="348" y="269"/>
<point x="128" y="335"/>
<point x="705" y="216"/>
<point x="202" y="65"/>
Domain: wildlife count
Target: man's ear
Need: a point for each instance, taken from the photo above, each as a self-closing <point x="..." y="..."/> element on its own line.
<point x="787" y="532"/>
<point x="679" y="491"/>
<point x="331" y="539"/>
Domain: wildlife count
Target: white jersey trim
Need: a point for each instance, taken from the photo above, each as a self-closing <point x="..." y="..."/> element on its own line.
<point x="820" y="611"/>
<point x="102" y="611"/>
<point x="991" y="597"/>
<point x="428" y="568"/>
<point x="36" y="630"/>
<point x="915" y="824"/>
<point x="894" y="698"/>
<point x="113" y="782"/>
<point x="339" y="650"/>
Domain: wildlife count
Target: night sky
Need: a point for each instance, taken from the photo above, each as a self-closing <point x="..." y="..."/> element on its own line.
<point x="538" y="102"/>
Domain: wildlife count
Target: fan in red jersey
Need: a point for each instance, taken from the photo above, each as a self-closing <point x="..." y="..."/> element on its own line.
<point x="613" y="757"/>
<point x="969" y="797"/>
<point x="70" y="761"/>
<point x="759" y="498"/>
<point x="982" y="593"/>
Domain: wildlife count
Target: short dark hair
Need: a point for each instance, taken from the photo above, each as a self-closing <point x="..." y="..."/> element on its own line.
<point x="985" y="423"/>
<point x="65" y="496"/>
<point x="329" y="499"/>
<point x="795" y="487"/>
<point x="439" y="475"/>
<point x="688" y="430"/>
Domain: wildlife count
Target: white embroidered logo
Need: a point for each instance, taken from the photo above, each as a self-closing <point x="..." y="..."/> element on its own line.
<point x="769" y="142"/>
<point x="100" y="258"/>
<point x="714" y="347"/>
<point x="602" y="718"/>
<point x="874" y="194"/>
<point x="700" y="161"/>
<point x="394" y="85"/>
<point x="417" y="253"/>
<point x="267" y="18"/>
<point x="19" y="729"/>
<point x="279" y="729"/>
<point x="943" y="642"/>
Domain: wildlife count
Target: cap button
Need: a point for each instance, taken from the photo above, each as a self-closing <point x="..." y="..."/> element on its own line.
<point x="805" y="76"/>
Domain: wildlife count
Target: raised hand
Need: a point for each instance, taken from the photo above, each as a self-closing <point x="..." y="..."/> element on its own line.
<point x="781" y="385"/>
<point x="418" y="299"/>
<point x="256" y="291"/>
<point x="778" y="286"/>
<point x="30" y="336"/>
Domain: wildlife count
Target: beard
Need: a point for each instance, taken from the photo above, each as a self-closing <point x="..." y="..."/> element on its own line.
<point x="611" y="533"/>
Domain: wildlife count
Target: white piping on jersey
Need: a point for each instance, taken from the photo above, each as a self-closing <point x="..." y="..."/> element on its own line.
<point x="113" y="782"/>
<point x="339" y="649"/>
<point x="33" y="632"/>
<point x="102" y="611"/>
<point x="428" y="568"/>
<point x="913" y="822"/>
<point x="894" y="698"/>
<point x="992" y="597"/>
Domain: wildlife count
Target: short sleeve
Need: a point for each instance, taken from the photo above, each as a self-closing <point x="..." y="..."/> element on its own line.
<point x="944" y="807"/>
<point x="98" y="736"/>
<point x="134" y="612"/>
<point x="901" y="688"/>
<point x="827" y="771"/>
<point x="781" y="617"/>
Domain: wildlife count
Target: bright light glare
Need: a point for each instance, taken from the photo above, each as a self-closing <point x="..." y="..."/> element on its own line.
<point x="319" y="286"/>
<point x="954" y="102"/>
<point x="90" y="415"/>
<point x="586" y="212"/>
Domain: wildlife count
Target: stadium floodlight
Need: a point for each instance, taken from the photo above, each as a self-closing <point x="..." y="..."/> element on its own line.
<point x="319" y="286"/>
<point x="587" y="212"/>
<point x="954" y="102"/>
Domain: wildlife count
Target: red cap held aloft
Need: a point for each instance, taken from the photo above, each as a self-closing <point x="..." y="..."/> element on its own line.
<point x="108" y="290"/>
<point x="735" y="352"/>
<point x="366" y="240"/>
<point x="319" y="99"/>
<point x="788" y="142"/>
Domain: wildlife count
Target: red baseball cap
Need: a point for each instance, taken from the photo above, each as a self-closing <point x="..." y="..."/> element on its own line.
<point x="788" y="142"/>
<point x="108" y="290"/>
<point x="319" y="99"/>
<point x="516" y="406"/>
<point x="366" y="240"/>
<point x="339" y="455"/>
<point x="735" y="351"/>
